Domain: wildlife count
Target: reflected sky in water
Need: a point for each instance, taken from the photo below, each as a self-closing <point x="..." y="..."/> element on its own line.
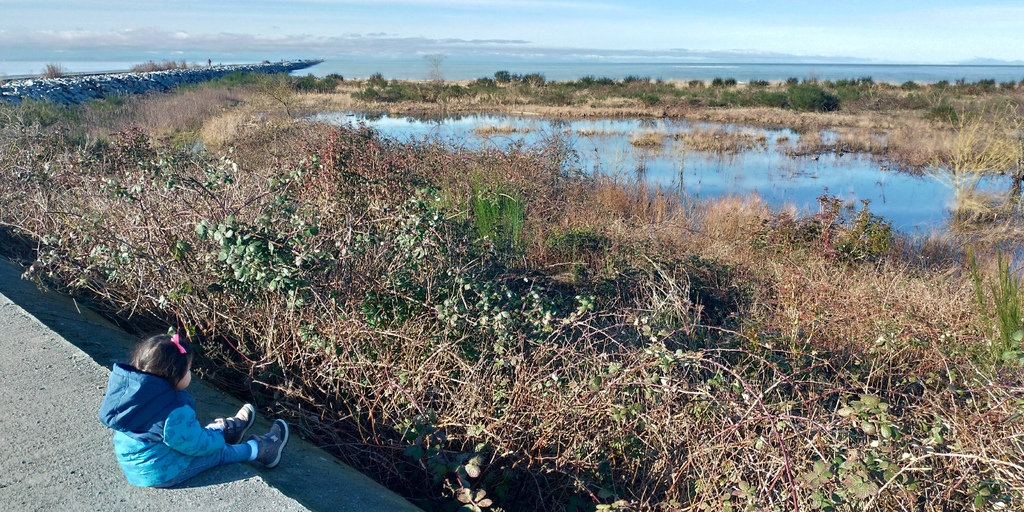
<point x="914" y="204"/>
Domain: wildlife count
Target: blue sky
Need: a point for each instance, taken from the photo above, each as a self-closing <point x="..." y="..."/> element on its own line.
<point x="899" y="31"/>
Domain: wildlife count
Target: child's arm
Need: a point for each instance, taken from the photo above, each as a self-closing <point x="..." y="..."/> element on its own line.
<point x="183" y="433"/>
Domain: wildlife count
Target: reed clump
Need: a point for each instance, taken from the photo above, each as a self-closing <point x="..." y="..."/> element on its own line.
<point x="721" y="140"/>
<point x="504" y="129"/>
<point x="166" y="65"/>
<point x="54" y="70"/>
<point x="648" y="140"/>
<point x="495" y="323"/>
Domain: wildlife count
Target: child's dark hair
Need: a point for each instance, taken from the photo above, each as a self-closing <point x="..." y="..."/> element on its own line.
<point x="158" y="355"/>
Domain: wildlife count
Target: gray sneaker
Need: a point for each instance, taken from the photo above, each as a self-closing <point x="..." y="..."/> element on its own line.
<point x="235" y="427"/>
<point x="272" y="444"/>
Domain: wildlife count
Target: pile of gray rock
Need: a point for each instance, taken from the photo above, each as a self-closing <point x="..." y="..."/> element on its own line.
<point x="77" y="89"/>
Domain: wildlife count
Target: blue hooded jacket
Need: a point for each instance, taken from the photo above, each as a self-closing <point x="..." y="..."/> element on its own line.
<point x="157" y="433"/>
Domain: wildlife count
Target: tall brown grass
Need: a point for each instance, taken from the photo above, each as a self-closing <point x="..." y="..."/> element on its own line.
<point x="166" y="65"/>
<point x="54" y="70"/>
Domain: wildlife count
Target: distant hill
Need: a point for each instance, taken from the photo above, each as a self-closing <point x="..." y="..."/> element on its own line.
<point x="991" y="62"/>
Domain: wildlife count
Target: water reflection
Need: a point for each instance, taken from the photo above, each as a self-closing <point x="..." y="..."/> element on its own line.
<point x="702" y="160"/>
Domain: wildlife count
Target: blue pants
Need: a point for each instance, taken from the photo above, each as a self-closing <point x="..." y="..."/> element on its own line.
<point x="231" y="454"/>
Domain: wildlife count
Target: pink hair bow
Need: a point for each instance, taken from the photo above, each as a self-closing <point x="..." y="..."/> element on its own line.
<point x="177" y="342"/>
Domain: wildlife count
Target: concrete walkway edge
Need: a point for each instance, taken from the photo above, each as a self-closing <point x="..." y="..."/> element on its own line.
<point x="55" y="358"/>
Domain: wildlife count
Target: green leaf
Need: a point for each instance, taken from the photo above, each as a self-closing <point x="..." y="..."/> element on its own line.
<point x="870" y="400"/>
<point x="886" y="431"/>
<point x="868" y="428"/>
<point x="413" y="452"/>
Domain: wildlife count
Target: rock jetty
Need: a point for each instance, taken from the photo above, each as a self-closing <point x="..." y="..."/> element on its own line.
<point x="77" y="89"/>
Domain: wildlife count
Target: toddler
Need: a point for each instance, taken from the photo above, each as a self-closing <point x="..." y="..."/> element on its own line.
<point x="157" y="439"/>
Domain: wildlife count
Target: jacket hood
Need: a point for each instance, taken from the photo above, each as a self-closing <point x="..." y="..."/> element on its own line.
<point x="137" y="403"/>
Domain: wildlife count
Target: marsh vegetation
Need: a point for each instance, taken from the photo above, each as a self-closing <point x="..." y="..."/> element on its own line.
<point x="492" y="328"/>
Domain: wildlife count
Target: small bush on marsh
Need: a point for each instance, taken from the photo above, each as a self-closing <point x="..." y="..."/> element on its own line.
<point x="648" y="99"/>
<point x="1005" y="313"/>
<point x="43" y="113"/>
<point x="377" y="80"/>
<point x="534" y="79"/>
<point x="811" y="97"/>
<point x="633" y="79"/>
<point x="723" y="82"/>
<point x="943" y="112"/>
<point x="311" y="83"/>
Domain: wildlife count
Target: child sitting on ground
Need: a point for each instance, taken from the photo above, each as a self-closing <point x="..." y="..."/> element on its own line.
<point x="158" y="441"/>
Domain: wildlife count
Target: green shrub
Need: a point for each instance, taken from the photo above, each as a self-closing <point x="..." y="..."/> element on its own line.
<point x="631" y="79"/>
<point x="534" y="79"/>
<point x="45" y="113"/>
<point x="648" y="99"/>
<point x="811" y="98"/>
<point x="483" y="83"/>
<point x="776" y="99"/>
<point x="1006" y="314"/>
<point x="943" y="112"/>
<point x="377" y="80"/>
<point x="578" y="241"/>
<point x="987" y="84"/>
<point x="498" y="217"/>
<point x="237" y="79"/>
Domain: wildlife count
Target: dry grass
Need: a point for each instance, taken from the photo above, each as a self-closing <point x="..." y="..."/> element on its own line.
<point x="648" y="140"/>
<point x="54" y="70"/>
<point x="166" y="65"/>
<point x="486" y="130"/>
<point x="720" y="140"/>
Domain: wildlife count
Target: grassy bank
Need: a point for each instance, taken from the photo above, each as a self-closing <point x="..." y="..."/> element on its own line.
<point x="492" y="329"/>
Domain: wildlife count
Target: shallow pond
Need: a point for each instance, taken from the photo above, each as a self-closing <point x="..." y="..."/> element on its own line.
<point x="728" y="159"/>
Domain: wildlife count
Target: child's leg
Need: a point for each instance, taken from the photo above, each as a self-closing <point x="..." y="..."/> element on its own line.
<point x="235" y="427"/>
<point x="232" y="453"/>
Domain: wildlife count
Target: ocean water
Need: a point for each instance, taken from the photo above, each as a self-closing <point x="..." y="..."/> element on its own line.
<point x="465" y="68"/>
<point x="19" y="68"/>
<point x="458" y="67"/>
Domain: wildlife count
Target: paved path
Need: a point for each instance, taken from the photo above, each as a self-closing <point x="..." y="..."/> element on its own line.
<point x="55" y="359"/>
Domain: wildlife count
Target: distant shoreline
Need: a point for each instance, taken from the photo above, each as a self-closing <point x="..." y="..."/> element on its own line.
<point x="456" y="69"/>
